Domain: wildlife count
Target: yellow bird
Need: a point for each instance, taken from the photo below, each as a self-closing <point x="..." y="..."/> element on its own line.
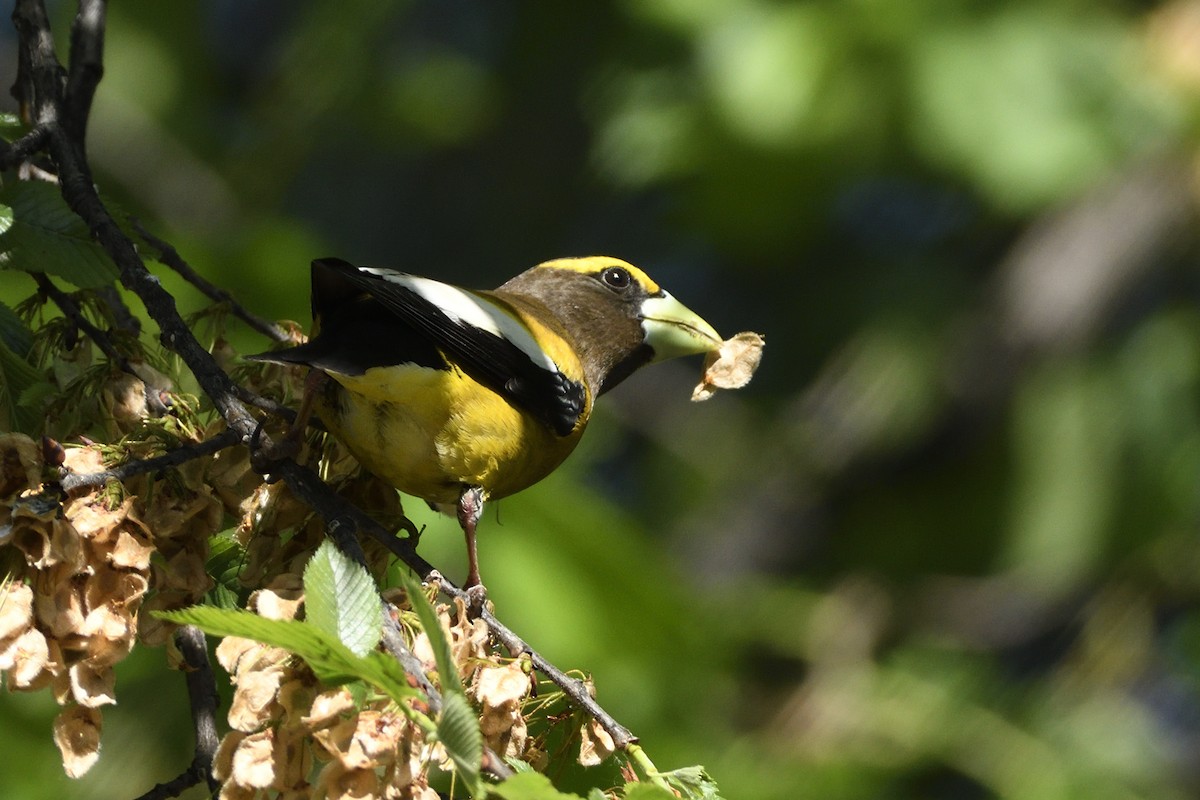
<point x="458" y="396"/>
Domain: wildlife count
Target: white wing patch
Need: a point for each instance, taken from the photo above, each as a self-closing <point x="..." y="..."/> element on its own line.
<point x="467" y="308"/>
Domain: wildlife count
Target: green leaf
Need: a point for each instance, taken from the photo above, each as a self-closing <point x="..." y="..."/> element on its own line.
<point x="648" y="791"/>
<point x="225" y="559"/>
<point x="14" y="333"/>
<point x="331" y="660"/>
<point x="691" y="782"/>
<point x="458" y="731"/>
<point x="221" y="596"/>
<point x="528" y="786"/>
<point x="39" y="233"/>
<point x="341" y="599"/>
<point x="11" y="127"/>
<point x="442" y="655"/>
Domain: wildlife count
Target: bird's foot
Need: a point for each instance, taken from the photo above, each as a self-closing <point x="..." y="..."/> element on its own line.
<point x="262" y="456"/>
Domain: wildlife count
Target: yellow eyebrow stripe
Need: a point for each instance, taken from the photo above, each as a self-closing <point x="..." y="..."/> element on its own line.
<point x="594" y="265"/>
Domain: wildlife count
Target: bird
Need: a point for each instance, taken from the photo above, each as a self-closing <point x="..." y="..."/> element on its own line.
<point x="460" y="397"/>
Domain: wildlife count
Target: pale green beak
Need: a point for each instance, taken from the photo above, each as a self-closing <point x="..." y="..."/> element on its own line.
<point x="673" y="330"/>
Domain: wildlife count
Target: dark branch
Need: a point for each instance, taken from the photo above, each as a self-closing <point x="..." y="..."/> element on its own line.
<point x="73" y="312"/>
<point x="573" y="688"/>
<point x="90" y="480"/>
<point x="87" y="67"/>
<point x="40" y="78"/>
<point x="154" y="401"/>
<point x="266" y="404"/>
<point x="12" y="154"/>
<point x="202" y="694"/>
<point x="169" y="256"/>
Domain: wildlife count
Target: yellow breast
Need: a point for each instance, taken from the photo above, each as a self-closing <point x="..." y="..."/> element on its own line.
<point x="430" y="431"/>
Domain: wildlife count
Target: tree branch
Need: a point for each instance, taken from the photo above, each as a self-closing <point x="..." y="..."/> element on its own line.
<point x="73" y="312"/>
<point x="202" y="694"/>
<point x="86" y="66"/>
<point x="12" y="154"/>
<point x="75" y="481"/>
<point x="169" y="256"/>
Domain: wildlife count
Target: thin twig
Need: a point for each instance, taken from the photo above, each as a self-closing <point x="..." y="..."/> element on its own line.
<point x="73" y="312"/>
<point x="13" y="153"/>
<point x="169" y="256"/>
<point x="573" y="688"/>
<point x="266" y="404"/>
<point x="154" y="400"/>
<point x="122" y="318"/>
<point x="75" y="481"/>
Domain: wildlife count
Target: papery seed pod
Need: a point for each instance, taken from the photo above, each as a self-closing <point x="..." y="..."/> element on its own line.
<point x="595" y="744"/>
<point x="77" y="735"/>
<point x="20" y="464"/>
<point x="253" y="764"/>
<point x="327" y="708"/>
<point x="25" y="658"/>
<point x="16" y="609"/>
<point x="254" y="699"/>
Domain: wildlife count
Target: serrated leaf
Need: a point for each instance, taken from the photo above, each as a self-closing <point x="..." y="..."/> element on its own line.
<point x="221" y="596"/>
<point x="44" y="235"/>
<point x="442" y="655"/>
<point x="341" y="599"/>
<point x="225" y="559"/>
<point x="693" y="783"/>
<point x="458" y="731"/>
<point x="648" y="791"/>
<point x="529" y="786"/>
<point x="329" y="659"/>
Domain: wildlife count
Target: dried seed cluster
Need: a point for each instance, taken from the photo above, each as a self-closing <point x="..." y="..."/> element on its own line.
<point x="292" y="737"/>
<point x="82" y="569"/>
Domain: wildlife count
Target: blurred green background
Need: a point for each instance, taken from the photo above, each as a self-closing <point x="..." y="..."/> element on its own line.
<point x="946" y="544"/>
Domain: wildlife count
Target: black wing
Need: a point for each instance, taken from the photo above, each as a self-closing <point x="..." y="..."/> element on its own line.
<point x="425" y="329"/>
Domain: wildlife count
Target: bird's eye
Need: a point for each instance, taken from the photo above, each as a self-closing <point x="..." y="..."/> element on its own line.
<point x="616" y="278"/>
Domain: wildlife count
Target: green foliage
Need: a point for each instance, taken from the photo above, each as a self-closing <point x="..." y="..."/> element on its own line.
<point x="691" y="782"/>
<point x="38" y="233"/>
<point x="458" y="731"/>
<point x="444" y="658"/>
<point x="341" y="599"/>
<point x="328" y="658"/>
<point x="18" y="410"/>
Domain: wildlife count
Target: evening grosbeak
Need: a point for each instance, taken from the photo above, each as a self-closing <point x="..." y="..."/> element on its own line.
<point x="458" y="396"/>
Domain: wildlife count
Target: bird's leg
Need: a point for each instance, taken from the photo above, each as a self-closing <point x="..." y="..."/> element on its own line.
<point x="288" y="445"/>
<point x="470" y="509"/>
<point x="314" y="382"/>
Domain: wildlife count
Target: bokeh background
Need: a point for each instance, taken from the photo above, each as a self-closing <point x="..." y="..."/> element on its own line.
<point x="946" y="544"/>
